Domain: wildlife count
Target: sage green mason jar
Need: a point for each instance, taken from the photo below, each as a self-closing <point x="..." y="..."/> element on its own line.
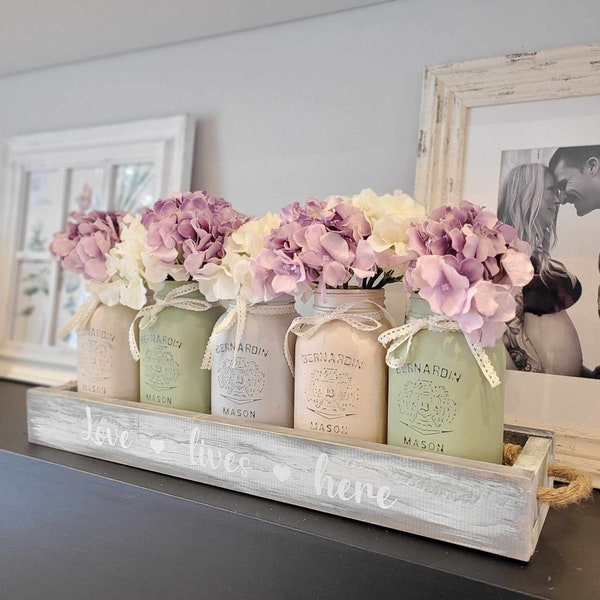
<point x="440" y="401"/>
<point x="171" y="352"/>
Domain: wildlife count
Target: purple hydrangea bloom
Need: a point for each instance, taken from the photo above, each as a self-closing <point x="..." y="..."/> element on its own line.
<point x="83" y="246"/>
<point x="321" y="245"/>
<point x="189" y="229"/>
<point x="469" y="266"/>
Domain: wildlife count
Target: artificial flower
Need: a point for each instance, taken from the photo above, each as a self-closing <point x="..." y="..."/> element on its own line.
<point x="187" y="232"/>
<point x="83" y="246"/>
<point x="390" y="216"/>
<point x="486" y="312"/>
<point x="126" y="265"/>
<point x="337" y="242"/>
<point x="468" y="266"/>
<point x="233" y="277"/>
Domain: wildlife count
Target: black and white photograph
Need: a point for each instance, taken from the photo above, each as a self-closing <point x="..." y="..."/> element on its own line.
<point x="548" y="195"/>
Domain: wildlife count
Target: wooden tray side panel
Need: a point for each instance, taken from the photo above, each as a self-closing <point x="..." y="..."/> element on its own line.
<point x="479" y="505"/>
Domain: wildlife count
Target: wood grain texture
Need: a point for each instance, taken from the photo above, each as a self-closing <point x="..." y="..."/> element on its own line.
<point x="470" y="503"/>
<point x="568" y="407"/>
<point x="451" y="90"/>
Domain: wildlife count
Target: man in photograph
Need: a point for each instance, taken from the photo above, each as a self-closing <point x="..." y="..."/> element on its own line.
<point x="576" y="171"/>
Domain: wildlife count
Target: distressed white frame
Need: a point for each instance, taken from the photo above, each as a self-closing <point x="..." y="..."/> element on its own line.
<point x="166" y="142"/>
<point x="569" y="406"/>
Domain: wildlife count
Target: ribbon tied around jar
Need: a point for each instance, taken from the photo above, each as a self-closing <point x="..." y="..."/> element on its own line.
<point x="403" y="335"/>
<point x="308" y="326"/>
<point x="236" y="317"/>
<point x="175" y="298"/>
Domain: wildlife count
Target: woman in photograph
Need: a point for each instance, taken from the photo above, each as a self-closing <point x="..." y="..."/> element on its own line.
<point x="541" y="338"/>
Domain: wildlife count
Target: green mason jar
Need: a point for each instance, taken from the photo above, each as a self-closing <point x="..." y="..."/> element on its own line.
<point x="171" y="351"/>
<point x="440" y="400"/>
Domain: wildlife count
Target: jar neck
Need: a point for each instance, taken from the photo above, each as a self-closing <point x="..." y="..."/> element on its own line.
<point x="418" y="308"/>
<point x="173" y="285"/>
<point x="281" y="300"/>
<point x="363" y="301"/>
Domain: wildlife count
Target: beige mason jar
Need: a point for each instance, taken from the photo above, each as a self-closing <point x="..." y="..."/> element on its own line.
<point x="340" y="372"/>
<point x="250" y="380"/>
<point x="105" y="366"/>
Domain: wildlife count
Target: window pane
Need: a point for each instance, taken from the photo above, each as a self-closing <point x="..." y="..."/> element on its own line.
<point x="85" y="190"/>
<point x="41" y="217"/>
<point x="134" y="187"/>
<point x="70" y="296"/>
<point x="32" y="302"/>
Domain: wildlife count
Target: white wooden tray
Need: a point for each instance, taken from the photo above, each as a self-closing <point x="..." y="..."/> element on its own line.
<point x="480" y="505"/>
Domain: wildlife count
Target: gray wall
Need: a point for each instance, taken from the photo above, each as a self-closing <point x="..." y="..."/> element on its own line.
<point x="314" y="107"/>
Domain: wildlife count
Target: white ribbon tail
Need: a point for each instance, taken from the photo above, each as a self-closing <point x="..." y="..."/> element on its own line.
<point x="485" y="364"/>
<point x="224" y="323"/>
<point x="81" y="317"/>
<point x="398" y="337"/>
<point x="147" y="317"/>
<point x="295" y="328"/>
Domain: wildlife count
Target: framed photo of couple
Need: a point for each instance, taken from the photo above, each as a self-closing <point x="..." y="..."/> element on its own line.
<point x="520" y="134"/>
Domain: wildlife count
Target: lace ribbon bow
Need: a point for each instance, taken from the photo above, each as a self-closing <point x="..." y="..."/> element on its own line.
<point x="306" y="327"/>
<point x="404" y="335"/>
<point x="149" y="314"/>
<point x="79" y="320"/>
<point x="236" y="317"/>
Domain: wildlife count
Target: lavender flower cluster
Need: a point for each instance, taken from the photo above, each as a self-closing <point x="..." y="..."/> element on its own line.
<point x="187" y="232"/>
<point x="468" y="266"/>
<point x="324" y="245"/>
<point x="83" y="247"/>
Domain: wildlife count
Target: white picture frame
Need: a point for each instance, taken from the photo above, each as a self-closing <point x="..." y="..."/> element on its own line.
<point x="46" y="176"/>
<point x="452" y="93"/>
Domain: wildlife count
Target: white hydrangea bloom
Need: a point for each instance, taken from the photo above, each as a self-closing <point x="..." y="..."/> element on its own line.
<point x="232" y="277"/>
<point x="215" y="282"/>
<point x="390" y="216"/>
<point x="125" y="266"/>
<point x="249" y="239"/>
<point x="397" y="203"/>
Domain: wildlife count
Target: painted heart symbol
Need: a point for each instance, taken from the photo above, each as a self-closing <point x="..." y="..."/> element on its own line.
<point x="282" y="472"/>
<point x="157" y="445"/>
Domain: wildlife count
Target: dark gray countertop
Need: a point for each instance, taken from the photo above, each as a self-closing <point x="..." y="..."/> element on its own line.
<point x="75" y="527"/>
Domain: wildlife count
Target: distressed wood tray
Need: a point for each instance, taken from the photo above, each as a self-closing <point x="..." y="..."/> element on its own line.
<point x="470" y="503"/>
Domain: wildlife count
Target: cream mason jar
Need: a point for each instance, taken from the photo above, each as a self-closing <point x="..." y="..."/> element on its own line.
<point x="250" y="379"/>
<point x="341" y="375"/>
<point x="171" y="351"/>
<point x="440" y="400"/>
<point x="105" y="366"/>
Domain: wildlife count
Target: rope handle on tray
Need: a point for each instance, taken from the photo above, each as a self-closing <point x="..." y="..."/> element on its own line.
<point x="579" y="483"/>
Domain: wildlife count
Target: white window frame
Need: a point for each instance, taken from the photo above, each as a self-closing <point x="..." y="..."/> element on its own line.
<point x="167" y="143"/>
